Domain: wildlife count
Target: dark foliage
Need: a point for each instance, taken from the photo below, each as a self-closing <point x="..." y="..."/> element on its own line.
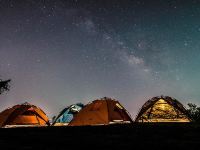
<point x="4" y="85"/>
<point x="194" y="112"/>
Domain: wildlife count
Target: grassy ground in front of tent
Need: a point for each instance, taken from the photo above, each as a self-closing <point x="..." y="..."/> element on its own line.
<point x="147" y="135"/>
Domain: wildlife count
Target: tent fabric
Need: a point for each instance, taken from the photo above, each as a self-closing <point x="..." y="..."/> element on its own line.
<point x="101" y="112"/>
<point x="67" y="114"/>
<point x="163" y="109"/>
<point x="23" y="114"/>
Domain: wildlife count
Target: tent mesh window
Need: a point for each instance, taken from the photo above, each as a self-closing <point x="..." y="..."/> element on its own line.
<point x="161" y="109"/>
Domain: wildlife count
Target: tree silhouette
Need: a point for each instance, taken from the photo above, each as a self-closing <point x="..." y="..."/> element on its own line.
<point x="4" y="85"/>
<point x="194" y="112"/>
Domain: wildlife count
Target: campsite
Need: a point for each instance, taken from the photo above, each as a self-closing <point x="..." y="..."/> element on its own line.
<point x="99" y="74"/>
<point x="103" y="111"/>
<point x="94" y="126"/>
<point x="162" y="122"/>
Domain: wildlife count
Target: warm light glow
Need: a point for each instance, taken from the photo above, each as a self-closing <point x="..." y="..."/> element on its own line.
<point x="119" y="106"/>
<point x="161" y="111"/>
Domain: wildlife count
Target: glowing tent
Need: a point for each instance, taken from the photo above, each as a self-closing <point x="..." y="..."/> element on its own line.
<point x="101" y="112"/>
<point x="23" y="115"/>
<point x="67" y="114"/>
<point x="163" y="109"/>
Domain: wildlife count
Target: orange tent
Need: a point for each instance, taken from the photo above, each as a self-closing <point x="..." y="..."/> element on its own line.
<point x="23" y="114"/>
<point x="101" y="112"/>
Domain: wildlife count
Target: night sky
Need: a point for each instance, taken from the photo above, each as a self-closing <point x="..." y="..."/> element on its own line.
<point x="59" y="52"/>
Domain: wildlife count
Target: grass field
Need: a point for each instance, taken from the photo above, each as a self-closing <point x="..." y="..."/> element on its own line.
<point x="148" y="135"/>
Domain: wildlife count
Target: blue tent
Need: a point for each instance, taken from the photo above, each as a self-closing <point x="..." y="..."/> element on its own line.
<point x="67" y="114"/>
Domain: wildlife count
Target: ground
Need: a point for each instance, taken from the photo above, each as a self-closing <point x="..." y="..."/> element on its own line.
<point x="156" y="136"/>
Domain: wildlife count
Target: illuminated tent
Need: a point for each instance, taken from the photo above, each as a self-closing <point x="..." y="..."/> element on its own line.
<point x="163" y="109"/>
<point x="23" y="115"/>
<point x="67" y="114"/>
<point x="101" y="112"/>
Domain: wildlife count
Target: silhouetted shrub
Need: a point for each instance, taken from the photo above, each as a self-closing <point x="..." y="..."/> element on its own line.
<point x="194" y="112"/>
<point x="4" y="85"/>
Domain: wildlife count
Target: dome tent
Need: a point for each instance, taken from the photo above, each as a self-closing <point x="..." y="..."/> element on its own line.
<point x="23" y="115"/>
<point x="163" y="109"/>
<point x="67" y="114"/>
<point x="103" y="111"/>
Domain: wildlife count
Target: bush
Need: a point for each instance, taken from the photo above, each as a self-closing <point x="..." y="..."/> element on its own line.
<point x="4" y="86"/>
<point x="194" y="112"/>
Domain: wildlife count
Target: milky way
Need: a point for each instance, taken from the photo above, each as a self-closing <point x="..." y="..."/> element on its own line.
<point x="62" y="52"/>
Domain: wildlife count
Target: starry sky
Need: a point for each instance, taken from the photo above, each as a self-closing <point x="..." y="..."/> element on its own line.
<point x="59" y="52"/>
